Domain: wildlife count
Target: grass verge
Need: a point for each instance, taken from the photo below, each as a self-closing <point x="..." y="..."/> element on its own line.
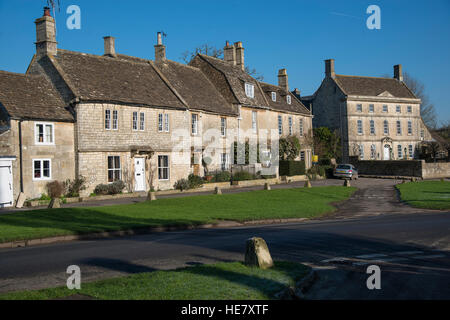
<point x="221" y="281"/>
<point x="190" y="211"/>
<point x="426" y="194"/>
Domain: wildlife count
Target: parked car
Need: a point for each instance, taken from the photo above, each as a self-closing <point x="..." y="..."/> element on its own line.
<point x="346" y="171"/>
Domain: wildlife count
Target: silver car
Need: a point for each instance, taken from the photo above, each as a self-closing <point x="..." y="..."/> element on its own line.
<point x="346" y="171"/>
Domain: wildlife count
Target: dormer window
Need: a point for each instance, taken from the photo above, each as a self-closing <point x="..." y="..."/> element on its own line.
<point x="288" y="99"/>
<point x="274" y="96"/>
<point x="249" y="90"/>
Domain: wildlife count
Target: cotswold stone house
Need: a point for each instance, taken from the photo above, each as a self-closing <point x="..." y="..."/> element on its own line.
<point x="114" y="117"/>
<point x="377" y="118"/>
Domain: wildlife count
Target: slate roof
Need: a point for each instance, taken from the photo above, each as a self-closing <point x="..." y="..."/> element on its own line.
<point x="195" y="88"/>
<point x="102" y="78"/>
<point x="371" y="86"/>
<point x="236" y="79"/>
<point x="31" y="97"/>
<point x="281" y="102"/>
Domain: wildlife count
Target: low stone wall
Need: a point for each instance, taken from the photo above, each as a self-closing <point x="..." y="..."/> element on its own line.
<point x="435" y="170"/>
<point x="402" y="168"/>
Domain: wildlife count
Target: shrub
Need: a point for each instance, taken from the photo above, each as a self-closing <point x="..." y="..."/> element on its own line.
<point x="116" y="187"/>
<point x="181" y="184"/>
<point x="73" y="188"/>
<point x="113" y="188"/>
<point x="325" y="162"/>
<point x="44" y="197"/>
<point x="55" y="189"/>
<point x="195" y="181"/>
<point x="243" y="175"/>
<point x="101" y="189"/>
<point x="291" y="168"/>
<point x="222" y="176"/>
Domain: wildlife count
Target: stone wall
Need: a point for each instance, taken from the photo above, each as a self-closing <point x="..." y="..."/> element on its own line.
<point x="402" y="168"/>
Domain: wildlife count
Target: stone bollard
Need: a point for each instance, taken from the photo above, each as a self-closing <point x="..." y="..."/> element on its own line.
<point x="308" y="184"/>
<point x="55" y="203"/>
<point x="217" y="190"/>
<point x="257" y="253"/>
<point x="151" y="196"/>
<point x="266" y="186"/>
<point x="413" y="179"/>
<point x="346" y="183"/>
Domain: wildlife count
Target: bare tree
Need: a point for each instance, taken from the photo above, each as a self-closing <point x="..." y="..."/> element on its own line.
<point x="427" y="110"/>
<point x="212" y="51"/>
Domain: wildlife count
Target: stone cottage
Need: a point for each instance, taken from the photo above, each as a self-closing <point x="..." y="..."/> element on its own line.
<point x="377" y="118"/>
<point x="114" y="117"/>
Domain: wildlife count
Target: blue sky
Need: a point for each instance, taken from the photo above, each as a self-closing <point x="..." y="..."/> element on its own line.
<point x="297" y="35"/>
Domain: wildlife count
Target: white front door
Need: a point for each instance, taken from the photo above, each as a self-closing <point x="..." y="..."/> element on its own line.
<point x="139" y="174"/>
<point x="387" y="152"/>
<point x="6" y="184"/>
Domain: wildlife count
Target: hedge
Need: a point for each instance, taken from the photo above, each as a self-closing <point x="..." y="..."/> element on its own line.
<point x="291" y="168"/>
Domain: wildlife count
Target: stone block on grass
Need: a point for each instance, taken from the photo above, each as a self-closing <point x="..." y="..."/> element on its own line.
<point x="257" y="253"/>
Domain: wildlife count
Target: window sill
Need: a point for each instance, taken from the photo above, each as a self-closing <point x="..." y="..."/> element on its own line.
<point x="44" y="144"/>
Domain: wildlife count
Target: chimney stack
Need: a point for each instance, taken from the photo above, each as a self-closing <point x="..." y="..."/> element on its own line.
<point x="239" y="55"/>
<point x="45" y="34"/>
<point x="283" y="79"/>
<point x="160" y="50"/>
<point x="398" y="74"/>
<point x="329" y="68"/>
<point x="229" y="54"/>
<point x="110" y="49"/>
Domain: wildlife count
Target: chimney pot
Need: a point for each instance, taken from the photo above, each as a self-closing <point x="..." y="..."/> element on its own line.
<point x="283" y="79"/>
<point x="398" y="74"/>
<point x="47" y="12"/>
<point x="160" y="49"/>
<point x="329" y="68"/>
<point x="110" y="49"/>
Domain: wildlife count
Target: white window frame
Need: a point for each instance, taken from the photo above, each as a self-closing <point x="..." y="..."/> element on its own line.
<point x="372" y="127"/>
<point x="359" y="127"/>
<point x="254" y="121"/>
<point x="290" y="126"/>
<point x="411" y="151"/>
<point x="107" y="118"/>
<point x="373" y="152"/>
<point x="134" y="124"/>
<point x="44" y="139"/>
<point x="42" y="178"/>
<point x="114" y="168"/>
<point x="164" y="168"/>
<point x="399" y="151"/>
<point x="386" y="127"/>
<point x="274" y="96"/>
<point x="359" y="107"/>
<point x="409" y="109"/>
<point x="166" y="122"/>
<point x="302" y="155"/>
<point x="385" y="108"/>
<point x="194" y="124"/>
<point x="398" y="109"/>
<point x="371" y="108"/>
<point x="361" y="151"/>
<point x="249" y="90"/>
<point x="115" y="120"/>
<point x="223" y="126"/>
<point x="301" y="128"/>
<point x="280" y="125"/>
<point x="410" y="130"/>
<point x="141" y="121"/>
<point x="288" y="99"/>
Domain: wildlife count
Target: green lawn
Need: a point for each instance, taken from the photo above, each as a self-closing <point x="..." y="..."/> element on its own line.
<point x="193" y="210"/>
<point x="221" y="281"/>
<point x="426" y="194"/>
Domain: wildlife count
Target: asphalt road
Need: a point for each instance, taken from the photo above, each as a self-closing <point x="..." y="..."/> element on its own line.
<point x="411" y="246"/>
<point x="419" y="242"/>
